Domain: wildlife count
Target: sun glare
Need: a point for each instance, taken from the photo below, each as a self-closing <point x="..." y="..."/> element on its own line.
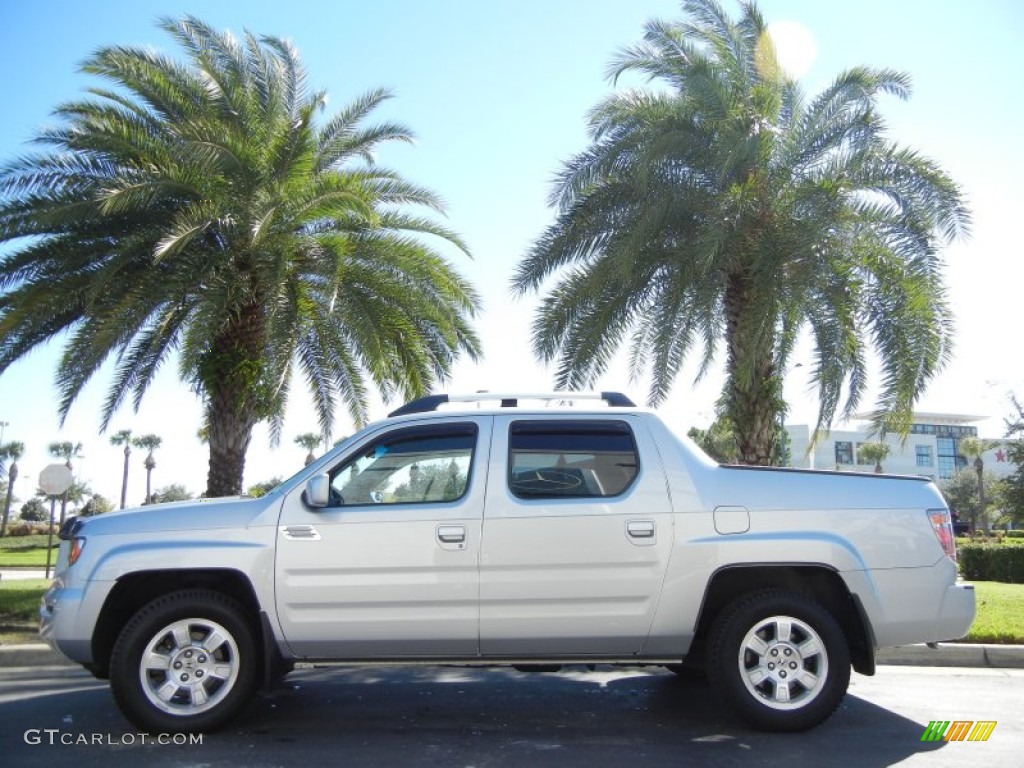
<point x="795" y="48"/>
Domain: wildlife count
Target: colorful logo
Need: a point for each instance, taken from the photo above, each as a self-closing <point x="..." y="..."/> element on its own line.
<point x="958" y="730"/>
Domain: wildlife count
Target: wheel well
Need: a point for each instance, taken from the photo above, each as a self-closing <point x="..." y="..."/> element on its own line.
<point x="819" y="582"/>
<point x="133" y="591"/>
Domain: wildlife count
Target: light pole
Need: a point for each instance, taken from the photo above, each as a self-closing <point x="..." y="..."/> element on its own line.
<point x="3" y="425"/>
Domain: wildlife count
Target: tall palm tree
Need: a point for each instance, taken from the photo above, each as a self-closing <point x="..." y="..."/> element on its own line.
<point x="974" y="448"/>
<point x="11" y="452"/>
<point x="725" y="209"/>
<point x="148" y="443"/>
<point x="202" y="207"/>
<point x="123" y="437"/>
<point x="310" y="441"/>
<point x="65" y="450"/>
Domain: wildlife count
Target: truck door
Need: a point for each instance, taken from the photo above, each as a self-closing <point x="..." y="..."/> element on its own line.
<point x="577" y="536"/>
<point x="389" y="568"/>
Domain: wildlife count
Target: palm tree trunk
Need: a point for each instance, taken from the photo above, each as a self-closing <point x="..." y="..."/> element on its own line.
<point x="753" y="397"/>
<point x="124" y="480"/>
<point x="12" y="475"/>
<point x="230" y="433"/>
<point x="231" y="410"/>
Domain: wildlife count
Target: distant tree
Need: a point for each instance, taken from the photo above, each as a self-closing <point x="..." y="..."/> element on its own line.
<point x="96" y="505"/>
<point x="974" y="448"/>
<point x="148" y="443"/>
<point x="10" y="452"/>
<point x="173" y="492"/>
<point x="310" y="441"/>
<point x="873" y="453"/>
<point x="1015" y="453"/>
<point x="261" y="489"/>
<point x="35" y="510"/>
<point x="124" y="437"/>
<point x="65" y="450"/>
<point x="961" y="493"/>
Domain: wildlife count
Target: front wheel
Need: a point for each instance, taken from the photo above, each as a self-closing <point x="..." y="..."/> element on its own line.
<point x="779" y="660"/>
<point x="185" y="663"/>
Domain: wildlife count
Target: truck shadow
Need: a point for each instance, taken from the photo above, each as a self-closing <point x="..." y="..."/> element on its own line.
<point x="447" y="716"/>
<point x="608" y="716"/>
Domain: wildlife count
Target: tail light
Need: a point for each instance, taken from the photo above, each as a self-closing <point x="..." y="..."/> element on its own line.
<point x="942" y="524"/>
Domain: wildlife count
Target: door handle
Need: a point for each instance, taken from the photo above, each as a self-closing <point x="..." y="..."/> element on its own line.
<point x="451" y="534"/>
<point x="640" y="529"/>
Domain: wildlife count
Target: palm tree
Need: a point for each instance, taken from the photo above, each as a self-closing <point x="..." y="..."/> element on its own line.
<point x="310" y="441"/>
<point x="65" y="450"/>
<point x="874" y="453"/>
<point x="974" y="448"/>
<point x="724" y="209"/>
<point x="11" y="451"/>
<point x="124" y="437"/>
<point x="201" y="208"/>
<point x="148" y="443"/>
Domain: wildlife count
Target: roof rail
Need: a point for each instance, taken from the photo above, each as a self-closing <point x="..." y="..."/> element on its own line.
<point x="432" y="402"/>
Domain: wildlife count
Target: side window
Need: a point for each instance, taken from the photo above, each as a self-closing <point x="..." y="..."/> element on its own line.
<point x="409" y="466"/>
<point x="571" y="459"/>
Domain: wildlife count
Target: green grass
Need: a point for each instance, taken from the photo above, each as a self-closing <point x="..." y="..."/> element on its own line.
<point x="19" y="599"/>
<point x="1000" y="617"/>
<point x="26" y="551"/>
<point x="19" y="610"/>
<point x="24" y="542"/>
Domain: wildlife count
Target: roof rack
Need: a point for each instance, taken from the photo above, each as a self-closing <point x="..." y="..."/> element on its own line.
<point x="433" y="402"/>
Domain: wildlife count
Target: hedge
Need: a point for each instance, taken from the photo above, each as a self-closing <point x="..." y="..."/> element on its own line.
<point x="1015" y="534"/>
<point x="993" y="562"/>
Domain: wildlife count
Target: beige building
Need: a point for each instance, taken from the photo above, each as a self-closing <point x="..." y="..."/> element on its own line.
<point x="931" y="449"/>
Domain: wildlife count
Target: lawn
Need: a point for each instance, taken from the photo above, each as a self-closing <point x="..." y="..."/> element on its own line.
<point x="1000" y="617"/>
<point x="26" y="551"/>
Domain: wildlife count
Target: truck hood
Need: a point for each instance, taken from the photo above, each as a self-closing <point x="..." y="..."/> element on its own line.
<point x="200" y="514"/>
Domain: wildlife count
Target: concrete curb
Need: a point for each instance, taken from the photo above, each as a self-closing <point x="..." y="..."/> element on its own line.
<point x="34" y="655"/>
<point x="954" y="655"/>
<point x="945" y="655"/>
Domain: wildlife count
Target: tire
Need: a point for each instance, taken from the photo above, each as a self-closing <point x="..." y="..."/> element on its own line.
<point x="779" y="660"/>
<point x="204" y="640"/>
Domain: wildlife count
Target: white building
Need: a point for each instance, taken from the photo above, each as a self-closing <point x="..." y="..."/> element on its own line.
<point x="931" y="449"/>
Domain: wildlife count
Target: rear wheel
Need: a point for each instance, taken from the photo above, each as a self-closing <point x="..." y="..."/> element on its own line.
<point x="779" y="660"/>
<point x="186" y="662"/>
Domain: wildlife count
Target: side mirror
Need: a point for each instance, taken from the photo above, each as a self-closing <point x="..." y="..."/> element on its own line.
<point x="318" y="491"/>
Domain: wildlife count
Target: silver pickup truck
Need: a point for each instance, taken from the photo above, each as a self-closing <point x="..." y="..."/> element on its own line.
<point x="457" y="532"/>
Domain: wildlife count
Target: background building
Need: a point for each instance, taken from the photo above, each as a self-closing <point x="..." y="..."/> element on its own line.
<point x="932" y="448"/>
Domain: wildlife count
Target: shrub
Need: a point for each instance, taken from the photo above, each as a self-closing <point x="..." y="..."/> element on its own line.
<point x="26" y="528"/>
<point x="993" y="562"/>
<point x="1015" y="534"/>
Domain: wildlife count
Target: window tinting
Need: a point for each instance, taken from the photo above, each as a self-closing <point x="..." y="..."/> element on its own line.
<point x="410" y="466"/>
<point x="571" y="459"/>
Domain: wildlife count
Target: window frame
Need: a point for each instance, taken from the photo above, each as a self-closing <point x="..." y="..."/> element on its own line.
<point x="577" y="427"/>
<point x="442" y="429"/>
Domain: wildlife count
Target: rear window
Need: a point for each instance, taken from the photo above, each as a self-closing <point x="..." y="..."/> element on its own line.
<point x="571" y="459"/>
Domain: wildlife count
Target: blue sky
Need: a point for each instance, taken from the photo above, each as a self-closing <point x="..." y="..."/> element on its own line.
<point x="497" y="93"/>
